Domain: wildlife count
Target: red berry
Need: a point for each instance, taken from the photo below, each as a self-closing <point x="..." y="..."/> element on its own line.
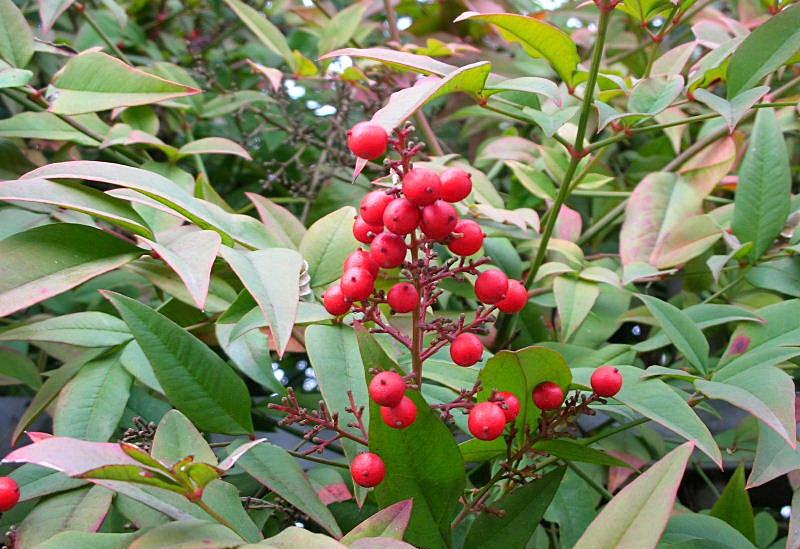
<point x="403" y="297"/>
<point x="606" y="381"/>
<point x="401" y="216"/>
<point x="400" y="416"/>
<point x="364" y="232"/>
<point x="469" y="238"/>
<point x="387" y="389"/>
<point x="456" y="184"/>
<point x="367" y="140"/>
<point x="466" y="349"/>
<point x="491" y="286"/>
<point x="509" y="403"/>
<point x="368" y="470"/>
<point x="363" y="259"/>
<point x="388" y="250"/>
<point x="421" y="186"/>
<point x="9" y="493"/>
<point x="438" y="220"/>
<point x="516" y="298"/>
<point x="372" y="206"/>
<point x="548" y="396"/>
<point x="486" y="421"/>
<point x="335" y="301"/>
<point x="357" y="284"/>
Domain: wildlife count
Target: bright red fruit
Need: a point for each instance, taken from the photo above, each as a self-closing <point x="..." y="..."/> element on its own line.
<point x="9" y="493"/>
<point x="364" y="232"/>
<point x="421" y="186"/>
<point x="491" y="286"/>
<point x="606" y="381"/>
<point x="387" y="389"/>
<point x="486" y="421"/>
<point x="363" y="259"/>
<point x="469" y="239"/>
<point x="368" y="470"/>
<point x="466" y="349"/>
<point x="388" y="250"/>
<point x="516" y="298"/>
<point x="456" y="184"/>
<point x="509" y="403"/>
<point x="367" y="140"/>
<point x="372" y="206"/>
<point x="401" y="216"/>
<point x="400" y="416"/>
<point x="548" y="396"/>
<point x="438" y="220"/>
<point x="357" y="284"/>
<point x="335" y="301"/>
<point x="403" y="297"/>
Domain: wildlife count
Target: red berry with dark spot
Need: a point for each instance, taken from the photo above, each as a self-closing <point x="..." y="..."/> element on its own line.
<point x="368" y="470"/>
<point x="364" y="232"/>
<point x="548" y="396"/>
<point x="516" y="298"/>
<point x="421" y="186"/>
<point x="403" y="297"/>
<point x="509" y="403"/>
<point x="438" y="220"/>
<point x="456" y="184"/>
<point x="401" y="216"/>
<point x="388" y="250"/>
<point x="367" y="140"/>
<point x="9" y="493"/>
<point x="363" y="259"/>
<point x="387" y="389"/>
<point x="467" y="238"/>
<point x="491" y="286"/>
<point x="335" y="301"/>
<point x="486" y="421"/>
<point x="400" y="416"/>
<point x="606" y="381"/>
<point x="372" y="206"/>
<point x="466" y="349"/>
<point x="357" y="284"/>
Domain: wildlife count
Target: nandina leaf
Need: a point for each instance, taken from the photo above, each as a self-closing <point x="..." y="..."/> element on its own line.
<point x="189" y="534"/>
<point x="326" y="245"/>
<point x="214" y="145"/>
<point x="87" y="540"/>
<point x="681" y="330"/>
<point x="13" y="78"/>
<point x="87" y="329"/>
<point x="733" y="506"/>
<point x="780" y="329"/>
<point x="15" y="367"/>
<point x="224" y="498"/>
<point x="574" y="300"/>
<point x="279" y="221"/>
<point x="652" y="95"/>
<point x="267" y="33"/>
<point x="16" y="38"/>
<point x="390" y="522"/>
<point x="176" y="438"/>
<point x="700" y="530"/>
<point x="397" y="59"/>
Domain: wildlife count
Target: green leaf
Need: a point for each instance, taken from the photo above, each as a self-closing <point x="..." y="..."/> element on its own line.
<point x="763" y="195"/>
<point x="265" y="31"/>
<point x="637" y="516"/>
<point x="13" y="78"/>
<point x="652" y="95"/>
<point x="327" y="244"/>
<point x="731" y="111"/>
<point x="699" y="531"/>
<point x="188" y="534"/>
<point x="780" y="328"/>
<point x="568" y="450"/>
<point x="251" y="355"/>
<point x="396" y="59"/>
<point x="214" y="145"/>
<point x="733" y="506"/>
<point x="341" y="27"/>
<point x="16" y="367"/>
<point x="687" y="241"/>
<point x="539" y="39"/>
<point x="390" y="522"/>
<point x="46" y="125"/>
<point x="36" y="481"/>
<point x="773" y="458"/>
<point x="228" y="103"/>
<point x="94" y="81"/>
<point x="681" y="330"/>
<point x="177" y="438"/>
<point x="573" y="508"/>
<point x="195" y="379"/>
<point x="16" y="38"/>
<point x="574" y="299"/>
<point x="766" y="49"/>
<point x="779" y="275"/>
<point x="529" y="84"/>
<point x="224" y="498"/>
<point x="86" y="540"/>
<point x="45" y="261"/>
<point x="88" y="329"/>
<point x="551" y="122"/>
<point x="294" y="537"/>
<point x="278" y="220"/>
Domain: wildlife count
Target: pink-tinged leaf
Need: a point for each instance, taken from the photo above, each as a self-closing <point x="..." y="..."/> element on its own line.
<point x="279" y="221"/>
<point x="50" y="11"/>
<point x="383" y="543"/>
<point x="510" y="148"/>
<point x="71" y="456"/>
<point x="334" y="493"/>
<point x="686" y="241"/>
<point x="274" y="76"/>
<point x="390" y="522"/>
<point x="361" y="163"/>
<point x="399" y="59"/>
<point x="138" y="198"/>
<point x="637" y="516"/>
<point x="231" y="460"/>
<point x="618" y="476"/>
<point x="672" y="62"/>
<point x="214" y="145"/>
<point x="569" y="224"/>
<point x="706" y="170"/>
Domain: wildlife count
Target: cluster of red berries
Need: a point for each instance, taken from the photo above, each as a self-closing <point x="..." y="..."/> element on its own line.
<point x="9" y="493"/>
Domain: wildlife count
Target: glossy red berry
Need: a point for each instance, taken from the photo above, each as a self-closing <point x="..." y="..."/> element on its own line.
<point x="400" y="416"/>
<point x="403" y="297"/>
<point x="387" y="389"/>
<point x="357" y="284"/>
<point x="456" y="184"/>
<point x="9" y="493"/>
<point x="368" y="470"/>
<point x="335" y="301"/>
<point x="421" y="186"/>
<point x="509" y="403"/>
<point x="466" y="349"/>
<point x="388" y="250"/>
<point x="438" y="220"/>
<point x="401" y="216"/>
<point x="486" y="421"/>
<point x="363" y="259"/>
<point x="548" y="396"/>
<point x="467" y="238"/>
<point x="516" y="298"/>
<point x="606" y="381"/>
<point x="372" y="206"/>
<point x="491" y="286"/>
<point x="367" y="140"/>
<point x="364" y="232"/>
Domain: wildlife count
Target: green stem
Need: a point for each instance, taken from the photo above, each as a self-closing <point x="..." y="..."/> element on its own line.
<point x="596" y="486"/>
<point x="315" y="459"/>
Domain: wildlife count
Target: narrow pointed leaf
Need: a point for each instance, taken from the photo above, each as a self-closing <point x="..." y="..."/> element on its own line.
<point x="267" y="33"/>
<point x="87" y="329"/>
<point x="680" y="329"/>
